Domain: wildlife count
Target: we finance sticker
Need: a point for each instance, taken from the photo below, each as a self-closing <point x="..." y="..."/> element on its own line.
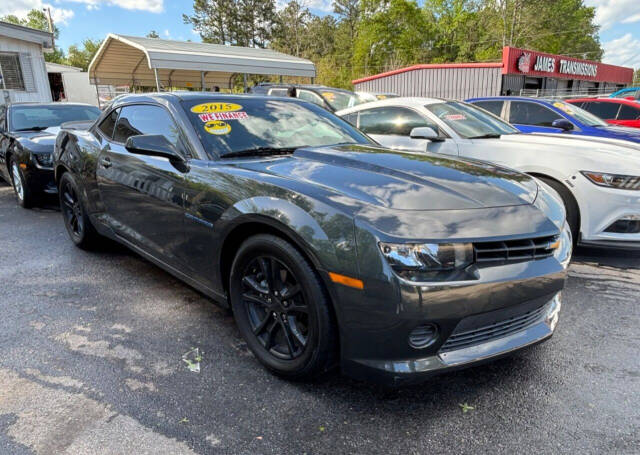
<point x="210" y="116"/>
<point x="208" y="108"/>
<point x="217" y="127"/>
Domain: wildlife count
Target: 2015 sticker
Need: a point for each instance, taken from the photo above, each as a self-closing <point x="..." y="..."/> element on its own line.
<point x="455" y="117"/>
<point x="217" y="127"/>
<point x="210" y="116"/>
<point x="563" y="107"/>
<point x="206" y="108"/>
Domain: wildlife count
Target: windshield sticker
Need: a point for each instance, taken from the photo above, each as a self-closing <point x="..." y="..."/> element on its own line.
<point x="223" y="116"/>
<point x="217" y="127"/>
<point x="455" y="117"/>
<point x="207" y="108"/>
<point x="563" y="107"/>
<point x="329" y="96"/>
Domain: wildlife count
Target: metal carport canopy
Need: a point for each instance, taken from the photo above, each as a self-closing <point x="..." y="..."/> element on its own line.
<point x="130" y="60"/>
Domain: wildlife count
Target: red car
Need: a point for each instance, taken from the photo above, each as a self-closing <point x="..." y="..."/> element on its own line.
<point x="617" y="111"/>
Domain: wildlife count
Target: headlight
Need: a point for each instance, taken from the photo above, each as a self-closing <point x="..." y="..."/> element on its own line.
<point x="623" y="182"/>
<point x="564" y="246"/>
<point x="43" y="159"/>
<point x="410" y="260"/>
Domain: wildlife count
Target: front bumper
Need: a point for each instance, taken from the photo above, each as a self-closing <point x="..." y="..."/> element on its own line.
<point x="507" y="308"/>
<point x="40" y="179"/>
<point x="600" y="208"/>
<point x="404" y="372"/>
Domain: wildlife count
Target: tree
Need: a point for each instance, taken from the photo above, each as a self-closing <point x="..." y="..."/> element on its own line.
<point x="81" y="58"/>
<point x="391" y="33"/>
<point x="348" y="12"/>
<point x="152" y="34"/>
<point x="236" y="22"/>
<point x="636" y="77"/>
<point x="290" y="29"/>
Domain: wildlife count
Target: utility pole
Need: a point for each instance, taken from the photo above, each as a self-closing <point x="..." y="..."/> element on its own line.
<point x="50" y="22"/>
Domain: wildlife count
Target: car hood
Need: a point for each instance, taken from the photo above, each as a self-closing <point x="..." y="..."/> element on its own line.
<point x="620" y="132"/>
<point x="586" y="146"/>
<point x="357" y="175"/>
<point x="38" y="141"/>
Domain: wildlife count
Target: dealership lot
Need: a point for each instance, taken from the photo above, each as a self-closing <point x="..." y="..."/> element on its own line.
<point x="92" y="356"/>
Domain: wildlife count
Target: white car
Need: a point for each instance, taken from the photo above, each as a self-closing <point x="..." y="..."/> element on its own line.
<point x="597" y="179"/>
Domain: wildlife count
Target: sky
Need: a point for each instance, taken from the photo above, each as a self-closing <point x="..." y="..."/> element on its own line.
<point x="619" y="21"/>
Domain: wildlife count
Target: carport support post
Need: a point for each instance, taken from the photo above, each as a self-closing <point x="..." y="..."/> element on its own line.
<point x="244" y="82"/>
<point x="202" y="88"/>
<point x="155" y="72"/>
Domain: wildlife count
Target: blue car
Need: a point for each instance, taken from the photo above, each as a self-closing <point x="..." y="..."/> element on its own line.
<point x="629" y="92"/>
<point x="539" y="115"/>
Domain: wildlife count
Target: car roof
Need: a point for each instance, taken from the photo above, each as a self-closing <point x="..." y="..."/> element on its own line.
<point x="398" y="101"/>
<point x="604" y="100"/>
<point x="176" y="97"/>
<point x="513" y="98"/>
<point x="32" y="103"/>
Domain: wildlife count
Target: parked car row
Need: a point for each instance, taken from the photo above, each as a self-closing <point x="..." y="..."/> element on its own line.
<point x="394" y="239"/>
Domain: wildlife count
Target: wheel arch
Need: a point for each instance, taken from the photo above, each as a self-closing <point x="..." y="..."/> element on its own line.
<point x="543" y="175"/>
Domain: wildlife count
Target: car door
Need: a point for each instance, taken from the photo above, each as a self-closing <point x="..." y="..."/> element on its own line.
<point x="628" y="116"/>
<point x="391" y="126"/>
<point x="531" y="117"/>
<point x="143" y="195"/>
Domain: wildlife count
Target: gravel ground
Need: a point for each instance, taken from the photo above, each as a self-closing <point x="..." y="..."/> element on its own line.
<point x="91" y="362"/>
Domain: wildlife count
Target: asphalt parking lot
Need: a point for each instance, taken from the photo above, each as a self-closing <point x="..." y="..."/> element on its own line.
<point x="91" y="361"/>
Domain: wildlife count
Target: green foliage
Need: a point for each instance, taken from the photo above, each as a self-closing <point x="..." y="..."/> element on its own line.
<point x="235" y="22"/>
<point x="35" y="19"/>
<point x="82" y="57"/>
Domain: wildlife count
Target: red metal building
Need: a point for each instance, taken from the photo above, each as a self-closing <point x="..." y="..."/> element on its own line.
<point x="521" y="71"/>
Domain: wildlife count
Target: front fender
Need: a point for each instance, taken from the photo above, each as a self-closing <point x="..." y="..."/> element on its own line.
<point x="325" y="233"/>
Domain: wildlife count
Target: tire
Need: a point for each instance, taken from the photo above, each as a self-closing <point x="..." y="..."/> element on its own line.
<point x="295" y="338"/>
<point x="570" y="205"/>
<point x="24" y="194"/>
<point x="78" y="224"/>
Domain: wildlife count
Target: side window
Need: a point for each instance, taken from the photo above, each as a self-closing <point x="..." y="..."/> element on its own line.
<point x="602" y="109"/>
<point x="495" y="107"/>
<point x="392" y="120"/>
<point x="351" y="118"/>
<point x="107" y="125"/>
<point x="3" y="118"/>
<point x="144" y="119"/>
<point x="525" y="113"/>
<point x="278" y="92"/>
<point x="629" y="113"/>
<point x="310" y="96"/>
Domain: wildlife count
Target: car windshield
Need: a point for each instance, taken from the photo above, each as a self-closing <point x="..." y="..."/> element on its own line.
<point x="469" y="121"/>
<point x="238" y="125"/>
<point x="339" y="99"/>
<point x="40" y="117"/>
<point x="584" y="117"/>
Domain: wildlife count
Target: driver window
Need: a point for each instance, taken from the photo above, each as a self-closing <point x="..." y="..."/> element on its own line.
<point x="392" y="121"/>
<point x="146" y="119"/>
<point x="629" y="113"/>
<point x="310" y="96"/>
<point x="525" y="113"/>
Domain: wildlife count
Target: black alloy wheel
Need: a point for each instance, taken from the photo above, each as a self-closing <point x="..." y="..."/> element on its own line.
<point x="276" y="307"/>
<point x="76" y="220"/>
<point x="282" y="309"/>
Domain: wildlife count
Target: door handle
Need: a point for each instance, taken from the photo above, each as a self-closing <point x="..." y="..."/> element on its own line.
<point x="106" y="163"/>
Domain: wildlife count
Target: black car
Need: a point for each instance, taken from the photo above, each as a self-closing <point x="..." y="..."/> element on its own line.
<point x="332" y="99"/>
<point x="329" y="249"/>
<point x="27" y="135"/>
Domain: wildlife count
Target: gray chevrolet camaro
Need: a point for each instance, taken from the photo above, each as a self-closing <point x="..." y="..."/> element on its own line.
<point x="329" y="249"/>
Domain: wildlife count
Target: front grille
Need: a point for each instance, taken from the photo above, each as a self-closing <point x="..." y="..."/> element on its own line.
<point x="479" y="335"/>
<point x="514" y="250"/>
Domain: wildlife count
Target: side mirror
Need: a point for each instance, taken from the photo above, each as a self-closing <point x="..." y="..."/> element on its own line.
<point x="425" y="132"/>
<point x="563" y="124"/>
<point x="153" y="145"/>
